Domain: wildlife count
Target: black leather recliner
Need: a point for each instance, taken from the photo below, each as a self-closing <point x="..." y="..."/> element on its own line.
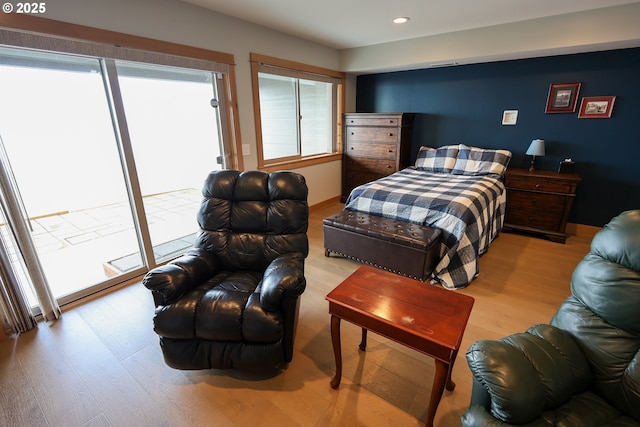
<point x="584" y="368"/>
<point x="232" y="301"/>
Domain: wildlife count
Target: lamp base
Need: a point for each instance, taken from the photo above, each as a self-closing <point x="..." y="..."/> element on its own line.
<point x="533" y="164"/>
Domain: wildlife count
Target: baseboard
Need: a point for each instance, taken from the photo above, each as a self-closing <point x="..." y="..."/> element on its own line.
<point x="324" y="204"/>
<point x="581" y="229"/>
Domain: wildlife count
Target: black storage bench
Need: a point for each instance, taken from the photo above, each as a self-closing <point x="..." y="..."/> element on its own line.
<point x="401" y="247"/>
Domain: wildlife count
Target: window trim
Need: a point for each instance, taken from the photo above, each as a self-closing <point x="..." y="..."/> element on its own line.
<point x="52" y="28"/>
<point x="257" y="62"/>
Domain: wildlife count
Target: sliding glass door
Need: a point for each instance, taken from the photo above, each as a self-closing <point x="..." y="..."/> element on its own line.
<point x="175" y="136"/>
<point x="98" y="215"/>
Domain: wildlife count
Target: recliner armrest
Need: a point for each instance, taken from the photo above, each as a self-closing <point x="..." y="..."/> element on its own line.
<point x="284" y="277"/>
<point x="171" y="281"/>
<point x="525" y="374"/>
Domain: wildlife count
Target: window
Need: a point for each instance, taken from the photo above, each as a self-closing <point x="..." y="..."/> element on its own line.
<point x="297" y="112"/>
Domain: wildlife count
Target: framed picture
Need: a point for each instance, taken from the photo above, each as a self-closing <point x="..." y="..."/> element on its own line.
<point x="596" y="107"/>
<point x="563" y="98"/>
<point x="510" y="117"/>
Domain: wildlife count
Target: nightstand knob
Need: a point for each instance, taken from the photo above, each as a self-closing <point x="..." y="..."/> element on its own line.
<point x="390" y="134"/>
<point x="534" y="201"/>
<point x="538" y="185"/>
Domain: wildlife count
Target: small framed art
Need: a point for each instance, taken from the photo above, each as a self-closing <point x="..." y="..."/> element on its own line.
<point x="562" y="98"/>
<point x="510" y="117"/>
<point x="596" y="107"/>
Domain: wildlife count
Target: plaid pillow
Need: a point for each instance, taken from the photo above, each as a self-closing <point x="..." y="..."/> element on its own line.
<point x="441" y="160"/>
<point x="480" y="161"/>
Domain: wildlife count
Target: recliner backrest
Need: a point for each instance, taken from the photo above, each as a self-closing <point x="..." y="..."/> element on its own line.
<point x="603" y="312"/>
<point x="250" y="218"/>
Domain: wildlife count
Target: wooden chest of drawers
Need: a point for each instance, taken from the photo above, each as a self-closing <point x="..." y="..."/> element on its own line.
<point x="375" y="145"/>
<point x="539" y="202"/>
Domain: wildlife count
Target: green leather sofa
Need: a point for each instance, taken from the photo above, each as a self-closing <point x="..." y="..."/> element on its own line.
<point x="583" y="369"/>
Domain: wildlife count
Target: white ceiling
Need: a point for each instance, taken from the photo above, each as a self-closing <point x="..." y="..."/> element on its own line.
<point x="345" y="24"/>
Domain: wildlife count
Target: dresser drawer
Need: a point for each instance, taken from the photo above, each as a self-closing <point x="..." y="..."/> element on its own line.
<point x="375" y="166"/>
<point x="542" y="220"/>
<point x="372" y="135"/>
<point x="530" y="200"/>
<point x="539" y="184"/>
<point x="358" y="177"/>
<point x="371" y="150"/>
<point x="372" y="121"/>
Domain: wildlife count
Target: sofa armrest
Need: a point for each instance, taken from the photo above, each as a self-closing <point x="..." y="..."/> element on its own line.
<point x="284" y="277"/>
<point x="171" y="281"/>
<point x="525" y="374"/>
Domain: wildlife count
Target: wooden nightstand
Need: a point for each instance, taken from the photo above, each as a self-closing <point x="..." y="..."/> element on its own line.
<point x="539" y="201"/>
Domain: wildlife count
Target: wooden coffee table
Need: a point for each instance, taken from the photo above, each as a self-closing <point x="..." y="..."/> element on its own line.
<point x="421" y="316"/>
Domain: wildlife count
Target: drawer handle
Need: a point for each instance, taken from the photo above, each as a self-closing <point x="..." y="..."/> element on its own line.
<point x="390" y="134"/>
<point x="353" y="133"/>
<point x="351" y="148"/>
<point x="389" y="151"/>
<point x="389" y="166"/>
<point x="538" y="185"/>
<point x="535" y="201"/>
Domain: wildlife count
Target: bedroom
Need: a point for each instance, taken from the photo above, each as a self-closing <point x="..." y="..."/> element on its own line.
<point x="154" y="20"/>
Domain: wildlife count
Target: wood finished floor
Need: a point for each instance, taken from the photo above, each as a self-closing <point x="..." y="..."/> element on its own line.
<point x="100" y="365"/>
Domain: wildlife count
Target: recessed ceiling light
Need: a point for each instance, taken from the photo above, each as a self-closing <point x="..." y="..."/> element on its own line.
<point x="401" y="20"/>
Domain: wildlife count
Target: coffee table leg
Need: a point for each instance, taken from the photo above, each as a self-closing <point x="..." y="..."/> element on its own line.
<point x="441" y="378"/>
<point x="363" y="342"/>
<point x="337" y="350"/>
<point x="450" y="384"/>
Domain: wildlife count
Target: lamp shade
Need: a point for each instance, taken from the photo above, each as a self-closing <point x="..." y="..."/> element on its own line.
<point x="536" y="148"/>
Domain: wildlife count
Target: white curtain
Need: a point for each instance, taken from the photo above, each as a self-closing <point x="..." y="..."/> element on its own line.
<point x="15" y="235"/>
<point x="15" y="313"/>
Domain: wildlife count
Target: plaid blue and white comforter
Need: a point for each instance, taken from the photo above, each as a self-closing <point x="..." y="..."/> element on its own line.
<point x="468" y="209"/>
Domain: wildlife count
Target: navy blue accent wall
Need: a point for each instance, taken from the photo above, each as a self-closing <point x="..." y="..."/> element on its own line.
<point x="464" y="104"/>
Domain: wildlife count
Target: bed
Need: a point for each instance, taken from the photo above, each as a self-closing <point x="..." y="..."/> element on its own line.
<point x="457" y="189"/>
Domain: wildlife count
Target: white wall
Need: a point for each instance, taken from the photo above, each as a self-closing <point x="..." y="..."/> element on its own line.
<point x="179" y="22"/>
<point x="601" y="29"/>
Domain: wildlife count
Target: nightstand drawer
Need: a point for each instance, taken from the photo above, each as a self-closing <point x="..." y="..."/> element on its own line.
<point x="540" y="184"/>
<point x="538" y="201"/>
<point x="533" y="219"/>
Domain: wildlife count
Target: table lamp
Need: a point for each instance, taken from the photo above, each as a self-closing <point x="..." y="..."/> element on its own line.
<point x="535" y="149"/>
